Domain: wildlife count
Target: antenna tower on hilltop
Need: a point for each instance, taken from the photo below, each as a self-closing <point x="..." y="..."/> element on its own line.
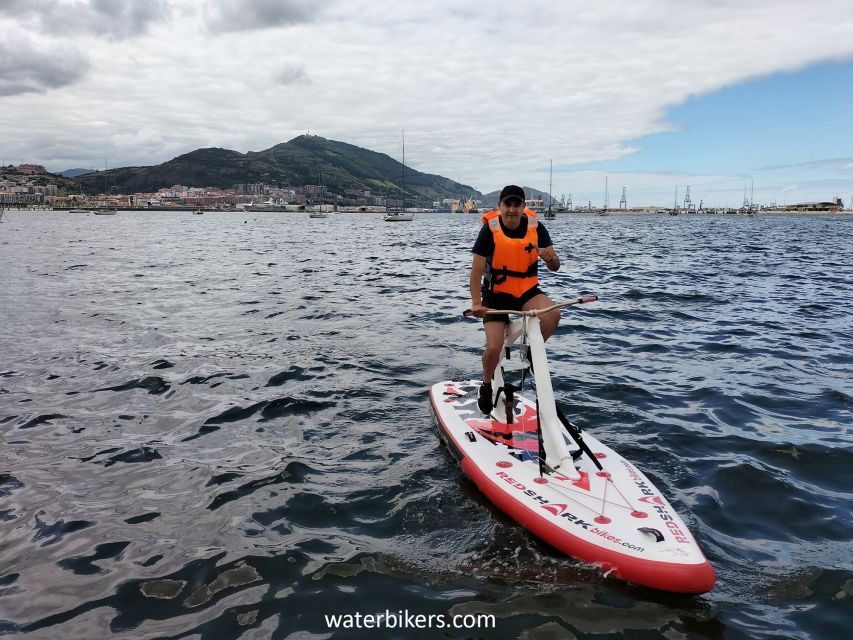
<point x="623" y="203"/>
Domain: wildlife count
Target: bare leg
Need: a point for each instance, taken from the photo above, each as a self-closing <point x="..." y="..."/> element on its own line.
<point x="547" y="321"/>
<point x="495" y="332"/>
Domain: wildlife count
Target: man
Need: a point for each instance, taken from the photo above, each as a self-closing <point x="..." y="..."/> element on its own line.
<point x="504" y="275"/>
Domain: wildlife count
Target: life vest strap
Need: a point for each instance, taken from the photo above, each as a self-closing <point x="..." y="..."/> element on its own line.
<point x="500" y="275"/>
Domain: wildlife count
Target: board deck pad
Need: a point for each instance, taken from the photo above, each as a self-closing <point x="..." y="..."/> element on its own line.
<point x="613" y="517"/>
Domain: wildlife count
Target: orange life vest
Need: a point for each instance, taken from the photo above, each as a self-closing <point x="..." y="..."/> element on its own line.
<point x="513" y="268"/>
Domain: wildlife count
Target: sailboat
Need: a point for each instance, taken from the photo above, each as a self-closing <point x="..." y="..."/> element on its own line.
<point x="674" y="211"/>
<point x="751" y="209"/>
<point x="603" y="212"/>
<point x="549" y="214"/>
<point x="318" y="210"/>
<point x="399" y="214"/>
<point x="105" y="210"/>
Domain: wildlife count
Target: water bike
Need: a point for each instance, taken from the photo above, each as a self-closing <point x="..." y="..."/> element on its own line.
<point x="561" y="483"/>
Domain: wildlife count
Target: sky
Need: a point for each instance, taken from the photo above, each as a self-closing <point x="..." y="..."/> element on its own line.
<point x="719" y="95"/>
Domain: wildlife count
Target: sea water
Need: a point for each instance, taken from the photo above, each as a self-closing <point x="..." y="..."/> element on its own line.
<point x="218" y="426"/>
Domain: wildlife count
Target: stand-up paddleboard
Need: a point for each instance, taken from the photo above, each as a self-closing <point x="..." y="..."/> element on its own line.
<point x="565" y="486"/>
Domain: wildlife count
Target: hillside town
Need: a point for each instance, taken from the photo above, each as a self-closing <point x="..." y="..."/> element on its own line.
<point x="31" y="186"/>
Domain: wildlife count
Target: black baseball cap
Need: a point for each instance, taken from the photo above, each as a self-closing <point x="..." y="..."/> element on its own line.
<point x="511" y="191"/>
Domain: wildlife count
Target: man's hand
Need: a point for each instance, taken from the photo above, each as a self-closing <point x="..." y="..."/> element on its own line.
<point x="549" y="256"/>
<point x="478" y="310"/>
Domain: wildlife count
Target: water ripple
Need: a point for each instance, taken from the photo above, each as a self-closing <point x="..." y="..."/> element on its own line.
<point x="210" y="432"/>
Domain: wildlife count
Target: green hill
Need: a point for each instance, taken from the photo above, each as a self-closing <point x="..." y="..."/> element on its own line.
<point x="74" y="173"/>
<point x="36" y="175"/>
<point x="303" y="160"/>
<point x="491" y="199"/>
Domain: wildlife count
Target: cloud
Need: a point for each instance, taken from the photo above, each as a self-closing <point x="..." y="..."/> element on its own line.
<point x="836" y="165"/>
<point x="487" y="90"/>
<point x="251" y="15"/>
<point x="27" y="68"/>
<point x="291" y="74"/>
<point x="117" y="19"/>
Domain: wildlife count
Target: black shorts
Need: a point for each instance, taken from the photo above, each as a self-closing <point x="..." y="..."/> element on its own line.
<point x="494" y="300"/>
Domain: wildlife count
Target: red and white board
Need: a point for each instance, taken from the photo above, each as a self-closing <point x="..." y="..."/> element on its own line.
<point x="614" y="518"/>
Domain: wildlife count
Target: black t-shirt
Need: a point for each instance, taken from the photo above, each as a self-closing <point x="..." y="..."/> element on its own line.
<point x="485" y="244"/>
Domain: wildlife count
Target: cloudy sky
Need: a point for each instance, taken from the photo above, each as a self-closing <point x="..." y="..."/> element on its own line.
<point x="715" y="94"/>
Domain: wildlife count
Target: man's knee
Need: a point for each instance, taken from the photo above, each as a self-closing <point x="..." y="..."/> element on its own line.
<point x="492" y="351"/>
<point x="549" y="322"/>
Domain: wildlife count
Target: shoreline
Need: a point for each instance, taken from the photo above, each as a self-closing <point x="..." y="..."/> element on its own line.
<point x="630" y="212"/>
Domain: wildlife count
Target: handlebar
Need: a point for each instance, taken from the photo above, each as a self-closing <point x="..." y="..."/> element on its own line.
<point x="536" y="312"/>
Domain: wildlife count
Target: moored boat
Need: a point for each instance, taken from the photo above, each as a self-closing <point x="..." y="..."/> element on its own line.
<point x="398" y="216"/>
<point x="397" y="213"/>
<point x="549" y="214"/>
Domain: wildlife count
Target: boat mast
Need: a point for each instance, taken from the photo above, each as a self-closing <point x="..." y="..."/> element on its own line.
<point x="606" y="194"/>
<point x="550" y="185"/>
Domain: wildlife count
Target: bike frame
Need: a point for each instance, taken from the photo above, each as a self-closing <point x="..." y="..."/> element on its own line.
<point x="557" y="455"/>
